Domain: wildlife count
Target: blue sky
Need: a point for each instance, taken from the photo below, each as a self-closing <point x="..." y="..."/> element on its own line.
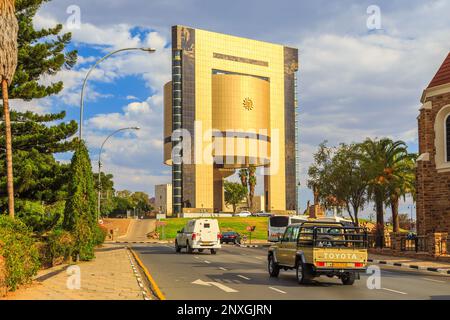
<point x="353" y="82"/>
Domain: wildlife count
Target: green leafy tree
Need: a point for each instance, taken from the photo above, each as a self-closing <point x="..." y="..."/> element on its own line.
<point x="317" y="171"/>
<point x="339" y="179"/>
<point x="107" y="192"/>
<point x="350" y="179"/>
<point x="234" y="193"/>
<point x="80" y="210"/>
<point x="141" y="201"/>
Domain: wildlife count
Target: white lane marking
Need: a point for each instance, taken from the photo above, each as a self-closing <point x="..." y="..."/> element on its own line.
<point x="196" y="257"/>
<point x="216" y="284"/>
<point x="259" y="258"/>
<point x="277" y="290"/>
<point x="243" y="277"/>
<point x="206" y="261"/>
<point x="434" y="280"/>
<point x="395" y="291"/>
<point x="222" y="268"/>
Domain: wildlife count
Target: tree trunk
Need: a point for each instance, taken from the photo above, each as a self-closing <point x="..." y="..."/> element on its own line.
<point x="9" y="167"/>
<point x="394" y="208"/>
<point x="380" y="221"/>
<point x="355" y="212"/>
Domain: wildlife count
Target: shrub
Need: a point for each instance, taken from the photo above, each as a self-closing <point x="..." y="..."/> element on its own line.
<point x="19" y="251"/>
<point x="60" y="246"/>
<point x="99" y="234"/>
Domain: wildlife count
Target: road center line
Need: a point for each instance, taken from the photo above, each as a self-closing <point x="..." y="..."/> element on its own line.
<point x="243" y="277"/>
<point x="440" y="281"/>
<point x="395" y="291"/>
<point x="277" y="290"/>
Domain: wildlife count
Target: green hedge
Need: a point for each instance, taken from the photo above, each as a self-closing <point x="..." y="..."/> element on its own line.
<point x="19" y="250"/>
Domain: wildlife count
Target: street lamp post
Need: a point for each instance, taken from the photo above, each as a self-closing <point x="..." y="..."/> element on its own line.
<point x="149" y="50"/>
<point x="100" y="166"/>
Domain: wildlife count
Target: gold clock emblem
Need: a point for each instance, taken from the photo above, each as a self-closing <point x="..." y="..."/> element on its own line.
<point x="248" y="104"/>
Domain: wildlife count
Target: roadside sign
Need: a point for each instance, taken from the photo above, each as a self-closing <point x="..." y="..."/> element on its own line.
<point x="251" y="228"/>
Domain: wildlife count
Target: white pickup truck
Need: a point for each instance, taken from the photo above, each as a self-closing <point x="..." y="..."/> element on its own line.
<point x="199" y="234"/>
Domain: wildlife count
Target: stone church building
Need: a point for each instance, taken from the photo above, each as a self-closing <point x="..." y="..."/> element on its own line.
<point x="433" y="164"/>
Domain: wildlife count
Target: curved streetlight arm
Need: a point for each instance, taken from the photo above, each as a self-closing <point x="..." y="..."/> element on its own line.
<point x="150" y="50"/>
<point x="109" y="136"/>
<point x="100" y="166"/>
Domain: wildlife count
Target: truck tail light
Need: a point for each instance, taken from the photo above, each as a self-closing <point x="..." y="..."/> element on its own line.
<point x="358" y="264"/>
<point x="194" y="236"/>
<point x="320" y="264"/>
<point x="219" y="236"/>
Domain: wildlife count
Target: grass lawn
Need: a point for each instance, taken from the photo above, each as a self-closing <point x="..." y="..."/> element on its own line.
<point x="237" y="224"/>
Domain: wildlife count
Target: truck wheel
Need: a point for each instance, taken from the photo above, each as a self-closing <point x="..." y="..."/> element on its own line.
<point x="348" y="279"/>
<point x="188" y="248"/>
<point x="302" y="272"/>
<point x="213" y="251"/>
<point x="200" y="250"/>
<point x="272" y="266"/>
<point x="177" y="247"/>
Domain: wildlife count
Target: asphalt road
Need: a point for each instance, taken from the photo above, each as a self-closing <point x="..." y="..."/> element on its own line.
<point x="241" y="273"/>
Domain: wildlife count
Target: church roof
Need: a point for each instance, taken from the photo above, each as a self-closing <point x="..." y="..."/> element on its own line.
<point x="443" y="74"/>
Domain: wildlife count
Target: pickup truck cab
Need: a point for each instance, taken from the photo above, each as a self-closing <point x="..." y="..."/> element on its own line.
<point x="199" y="234"/>
<point x="316" y="248"/>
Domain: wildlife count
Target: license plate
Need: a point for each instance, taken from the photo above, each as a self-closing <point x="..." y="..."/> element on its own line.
<point x="206" y="243"/>
<point x="339" y="265"/>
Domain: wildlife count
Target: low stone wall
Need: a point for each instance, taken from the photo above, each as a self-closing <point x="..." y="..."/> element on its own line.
<point x="432" y="247"/>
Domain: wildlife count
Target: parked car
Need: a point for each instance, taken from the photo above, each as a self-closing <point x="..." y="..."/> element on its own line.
<point x="243" y="214"/>
<point x="263" y="214"/>
<point x="199" y="234"/>
<point x="230" y="237"/>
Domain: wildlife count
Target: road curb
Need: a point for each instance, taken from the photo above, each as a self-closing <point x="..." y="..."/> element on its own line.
<point x="149" y="277"/>
<point x="410" y="266"/>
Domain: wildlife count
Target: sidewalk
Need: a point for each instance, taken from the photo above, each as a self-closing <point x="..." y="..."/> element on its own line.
<point x="110" y="276"/>
<point x="406" y="262"/>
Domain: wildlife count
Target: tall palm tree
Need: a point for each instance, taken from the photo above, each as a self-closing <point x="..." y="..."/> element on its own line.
<point x="243" y="175"/>
<point x="251" y="184"/>
<point x="380" y="157"/>
<point x="400" y="183"/>
<point x="8" y="62"/>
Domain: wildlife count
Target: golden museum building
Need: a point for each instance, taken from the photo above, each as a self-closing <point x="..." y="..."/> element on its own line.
<point x="231" y="104"/>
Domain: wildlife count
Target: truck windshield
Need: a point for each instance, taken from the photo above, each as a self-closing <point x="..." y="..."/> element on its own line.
<point x="333" y="236"/>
